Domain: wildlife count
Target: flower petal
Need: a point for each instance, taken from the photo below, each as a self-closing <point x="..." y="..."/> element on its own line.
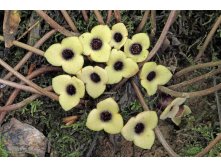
<point x="85" y="39"/>
<point x="95" y="90"/>
<point x="93" y="120"/>
<point x="145" y="140"/>
<point x="128" y="129"/>
<point x="115" y="125"/>
<point x="59" y="83"/>
<point x="151" y="87"/>
<point x="74" y="65"/>
<point x="176" y="120"/>
<point x="102" y="73"/>
<point x="146" y="69"/>
<point x="113" y="76"/>
<point x="108" y="104"/>
<point x="131" y="68"/>
<point x="53" y="54"/>
<point x="73" y="43"/>
<point x="68" y="102"/>
<point x="143" y="39"/>
<point x="116" y="55"/>
<point x="101" y="55"/>
<point x="148" y="118"/>
<point x="163" y="75"/>
<point x="187" y="110"/>
<point x="103" y="32"/>
<point x="79" y="85"/>
<point x="120" y="27"/>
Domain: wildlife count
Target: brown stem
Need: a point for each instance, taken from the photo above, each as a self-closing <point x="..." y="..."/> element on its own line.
<point x="28" y="30"/>
<point x="117" y="15"/>
<point x="85" y="16"/>
<point x="190" y="94"/>
<point x="196" y="79"/>
<point x="28" y="55"/>
<point x="157" y="130"/>
<point x="195" y="67"/>
<point x="143" y="21"/>
<point x="109" y="16"/>
<point x="30" y="76"/>
<point x="28" y="82"/>
<point x="25" y="46"/>
<point x="153" y="23"/>
<point x="99" y="17"/>
<point x="55" y="25"/>
<point x="217" y="102"/>
<point x="208" y="38"/>
<point x="69" y="20"/>
<point x="210" y="146"/>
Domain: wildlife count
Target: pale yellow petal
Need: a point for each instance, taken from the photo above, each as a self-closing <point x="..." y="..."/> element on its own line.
<point x="85" y="40"/>
<point x="85" y="73"/>
<point x="74" y="65"/>
<point x="148" y="118"/>
<point x="115" y="125"/>
<point x="108" y="104"/>
<point x="120" y="27"/>
<point x="103" y="32"/>
<point x="93" y="121"/>
<point x="95" y="90"/>
<point x="113" y="76"/>
<point x="53" y="55"/>
<point x="145" y="140"/>
<point x="151" y="87"/>
<point x="73" y="43"/>
<point x="176" y="120"/>
<point x="187" y="110"/>
<point x="147" y="68"/>
<point x="128" y="129"/>
<point x="163" y="75"/>
<point x="116" y="56"/>
<point x="143" y="39"/>
<point x="141" y="57"/>
<point x="102" y="73"/>
<point x="130" y="69"/>
<point x="68" y="102"/>
<point x="101" y="55"/>
<point x="59" y="83"/>
<point x="79" y="85"/>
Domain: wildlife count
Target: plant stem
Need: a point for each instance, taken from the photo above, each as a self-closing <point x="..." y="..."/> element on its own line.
<point x="143" y="21"/>
<point x="85" y="16"/>
<point x="153" y="23"/>
<point x="117" y="15"/>
<point x="69" y="20"/>
<point x="109" y="15"/>
<point x="208" y="38"/>
<point x="217" y="103"/>
<point x="25" y="46"/>
<point x="99" y="17"/>
<point x="196" y="67"/>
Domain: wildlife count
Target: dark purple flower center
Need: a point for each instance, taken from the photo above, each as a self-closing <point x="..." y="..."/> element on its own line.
<point x="96" y="44"/>
<point x="118" y="37"/>
<point x="71" y="90"/>
<point x="151" y="75"/>
<point x="95" y="77"/>
<point x="67" y="54"/>
<point x="118" y="66"/>
<point x="139" y="128"/>
<point x="135" y="49"/>
<point x="105" y="116"/>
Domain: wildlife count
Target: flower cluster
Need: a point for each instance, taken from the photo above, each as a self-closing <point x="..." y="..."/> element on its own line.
<point x="116" y="56"/>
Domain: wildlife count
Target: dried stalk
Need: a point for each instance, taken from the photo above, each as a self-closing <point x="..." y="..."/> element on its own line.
<point x="153" y="23"/>
<point x="196" y="67"/>
<point x="99" y="17"/>
<point x="55" y="25"/>
<point x="85" y="16"/>
<point x="109" y="15"/>
<point x="208" y="38"/>
<point x="69" y="20"/>
<point x="143" y="21"/>
<point x="117" y="16"/>
<point x="217" y="103"/>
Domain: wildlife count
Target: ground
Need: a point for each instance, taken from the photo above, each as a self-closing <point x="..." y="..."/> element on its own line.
<point x="185" y="37"/>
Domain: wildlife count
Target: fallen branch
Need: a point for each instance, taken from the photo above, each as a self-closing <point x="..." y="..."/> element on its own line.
<point x="217" y="102"/>
<point x="109" y="16"/>
<point x="143" y="21"/>
<point x="85" y="16"/>
<point x="153" y="23"/>
<point x="99" y="17"/>
<point x="117" y="16"/>
<point x="69" y="20"/>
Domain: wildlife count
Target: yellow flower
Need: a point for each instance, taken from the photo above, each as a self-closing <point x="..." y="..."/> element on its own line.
<point x="119" y="35"/>
<point x="70" y="90"/>
<point x="153" y="75"/>
<point x="120" y="66"/>
<point x="136" y="48"/>
<point x="68" y="54"/>
<point x="176" y="110"/>
<point x="95" y="78"/>
<point x="96" y="44"/>
<point x="139" y="129"/>
<point x="106" y="116"/>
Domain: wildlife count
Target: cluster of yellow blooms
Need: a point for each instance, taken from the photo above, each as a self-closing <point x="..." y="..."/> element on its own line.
<point x="121" y="55"/>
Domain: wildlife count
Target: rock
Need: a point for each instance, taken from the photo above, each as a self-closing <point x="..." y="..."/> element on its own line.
<point x="21" y="139"/>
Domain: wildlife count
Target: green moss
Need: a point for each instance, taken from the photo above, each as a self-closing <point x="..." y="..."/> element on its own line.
<point x="3" y="151"/>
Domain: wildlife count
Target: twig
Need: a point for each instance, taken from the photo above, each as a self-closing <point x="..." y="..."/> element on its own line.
<point x="69" y="20"/>
<point x="195" y="67"/>
<point x="28" y="82"/>
<point x="117" y="16"/>
<point x="28" y="30"/>
<point x="109" y="15"/>
<point x="55" y="25"/>
<point x="157" y="130"/>
<point x="217" y="102"/>
<point x="25" y="46"/>
<point x="99" y="17"/>
<point x="153" y="23"/>
<point x="143" y="21"/>
<point x="85" y="16"/>
<point x="28" y="55"/>
<point x="196" y="79"/>
<point x="190" y="94"/>
<point x="208" y="38"/>
<point x="210" y="146"/>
